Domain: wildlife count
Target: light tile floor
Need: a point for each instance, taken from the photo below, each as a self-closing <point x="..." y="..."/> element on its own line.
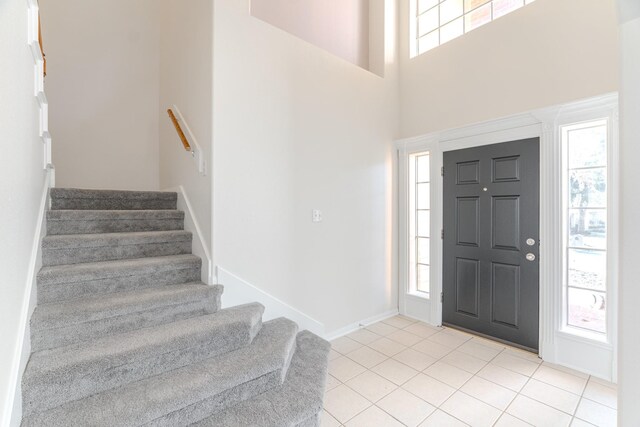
<point x="400" y="372"/>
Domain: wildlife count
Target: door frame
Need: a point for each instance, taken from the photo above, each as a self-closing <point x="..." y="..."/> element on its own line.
<point x="555" y="346"/>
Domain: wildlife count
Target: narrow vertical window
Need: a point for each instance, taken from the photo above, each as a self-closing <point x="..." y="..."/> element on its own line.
<point x="419" y="223"/>
<point x="585" y="200"/>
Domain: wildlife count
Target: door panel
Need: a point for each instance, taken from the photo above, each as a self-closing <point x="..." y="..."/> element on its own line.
<point x="468" y="221"/>
<point x="506" y="169"/>
<point x="491" y="208"/>
<point x="506" y="222"/>
<point x="505" y="282"/>
<point x="468" y="173"/>
<point x="467" y="286"/>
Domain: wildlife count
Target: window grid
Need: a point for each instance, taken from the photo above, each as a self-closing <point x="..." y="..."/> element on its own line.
<point x="464" y="16"/>
<point x="585" y="235"/>
<point x="421" y="218"/>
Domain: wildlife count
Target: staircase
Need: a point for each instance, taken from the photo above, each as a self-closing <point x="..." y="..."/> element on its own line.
<point x="126" y="334"/>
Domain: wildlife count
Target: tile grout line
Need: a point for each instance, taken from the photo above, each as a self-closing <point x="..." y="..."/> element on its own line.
<point x="502" y="412"/>
<point x="519" y="393"/>
<point x="414" y="376"/>
<point x="503" y="350"/>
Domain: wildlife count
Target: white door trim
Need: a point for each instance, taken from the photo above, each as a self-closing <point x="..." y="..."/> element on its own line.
<point x="555" y="346"/>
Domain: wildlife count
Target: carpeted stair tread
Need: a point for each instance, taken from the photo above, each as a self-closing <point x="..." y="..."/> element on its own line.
<point x="112" y="221"/>
<point x="63" y="282"/>
<point x="74" y="198"/>
<point x="188" y="394"/>
<point x="114" y="239"/>
<point x="71" y="273"/>
<point x="63" y="323"/>
<point x="63" y="374"/>
<point x="297" y="402"/>
<point x="52" y="315"/>
<point x="81" y="248"/>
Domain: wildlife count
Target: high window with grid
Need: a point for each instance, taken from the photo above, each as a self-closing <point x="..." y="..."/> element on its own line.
<point x="438" y="21"/>
<point x="419" y="223"/>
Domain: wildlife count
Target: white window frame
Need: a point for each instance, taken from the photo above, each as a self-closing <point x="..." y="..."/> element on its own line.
<point x="413" y="226"/>
<point x="595" y="111"/>
<point x="557" y="345"/>
<point x="414" y="44"/>
<point x="420" y="301"/>
<point x="565" y="326"/>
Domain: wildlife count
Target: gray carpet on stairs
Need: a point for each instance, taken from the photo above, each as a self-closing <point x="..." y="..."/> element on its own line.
<point x="65" y="282"/>
<point x="125" y="334"/>
<point x="73" y="198"/>
<point x="298" y="402"/>
<point x="80" y="248"/>
<point x="79" y="370"/>
<point x="115" y="221"/>
<point x="187" y="394"/>
<point x="60" y="324"/>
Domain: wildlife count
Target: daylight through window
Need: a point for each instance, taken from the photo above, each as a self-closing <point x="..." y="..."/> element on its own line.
<point x="438" y="21"/>
<point x="585" y="224"/>
<point x="419" y="223"/>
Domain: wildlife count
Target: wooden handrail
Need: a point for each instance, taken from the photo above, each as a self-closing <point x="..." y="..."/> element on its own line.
<point x="44" y="58"/>
<point x="176" y="124"/>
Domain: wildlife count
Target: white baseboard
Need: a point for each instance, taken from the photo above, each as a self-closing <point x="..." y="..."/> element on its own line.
<point x="238" y="291"/>
<point x="358" y="325"/>
<point x="13" y="407"/>
<point x="199" y="242"/>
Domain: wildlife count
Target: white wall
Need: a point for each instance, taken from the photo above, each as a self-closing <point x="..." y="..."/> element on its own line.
<point x="629" y="318"/>
<point x="297" y="129"/>
<point x="22" y="182"/>
<point x="186" y="80"/>
<point x="102" y="86"/>
<point x="339" y="26"/>
<point x="547" y="53"/>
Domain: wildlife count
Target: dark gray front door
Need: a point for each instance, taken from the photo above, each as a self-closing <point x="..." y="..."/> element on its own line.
<point x="491" y="227"/>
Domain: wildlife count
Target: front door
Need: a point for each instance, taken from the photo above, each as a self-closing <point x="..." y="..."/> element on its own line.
<point x="491" y="227"/>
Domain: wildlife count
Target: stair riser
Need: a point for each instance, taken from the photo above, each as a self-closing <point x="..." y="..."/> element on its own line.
<point x="65" y="335"/>
<point x="75" y="198"/>
<point x="76" y="382"/>
<point x="59" y="256"/>
<point x="196" y="412"/>
<point x="58" y="227"/>
<point x="54" y="292"/>
<point x="111" y="204"/>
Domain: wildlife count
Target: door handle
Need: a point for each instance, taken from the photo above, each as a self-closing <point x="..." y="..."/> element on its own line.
<point x="530" y="257"/>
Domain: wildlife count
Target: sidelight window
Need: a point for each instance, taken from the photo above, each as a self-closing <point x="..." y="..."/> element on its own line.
<point x="419" y="223"/>
<point x="585" y="223"/>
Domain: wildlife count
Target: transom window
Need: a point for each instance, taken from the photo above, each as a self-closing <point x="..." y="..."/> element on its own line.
<point x="419" y="223"/>
<point x="585" y="202"/>
<point x="435" y="22"/>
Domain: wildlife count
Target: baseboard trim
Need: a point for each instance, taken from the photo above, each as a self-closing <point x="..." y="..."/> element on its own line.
<point x="199" y="242"/>
<point x="238" y="291"/>
<point x="359" y="325"/>
<point x="13" y="406"/>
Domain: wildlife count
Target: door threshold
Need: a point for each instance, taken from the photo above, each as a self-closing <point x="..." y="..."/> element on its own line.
<point x="489" y="337"/>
